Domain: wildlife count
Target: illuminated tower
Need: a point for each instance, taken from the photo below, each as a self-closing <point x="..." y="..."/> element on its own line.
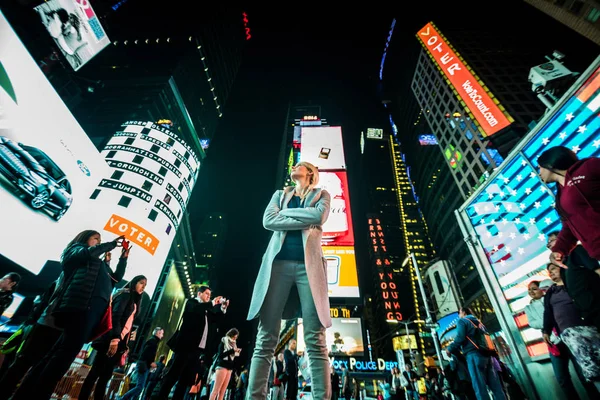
<point x="153" y="172"/>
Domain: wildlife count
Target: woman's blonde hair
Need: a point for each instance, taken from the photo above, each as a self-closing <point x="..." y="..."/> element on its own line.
<point x="313" y="178"/>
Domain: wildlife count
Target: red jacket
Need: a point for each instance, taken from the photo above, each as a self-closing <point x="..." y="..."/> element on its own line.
<point x="578" y="204"/>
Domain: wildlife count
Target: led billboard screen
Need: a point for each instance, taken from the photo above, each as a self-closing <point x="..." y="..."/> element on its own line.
<point x="75" y="28"/>
<point x="322" y="146"/>
<point x="446" y="331"/>
<point x="338" y="230"/>
<point x="344" y="338"/>
<point x="374" y="133"/>
<point x="342" y="278"/>
<point x="485" y="108"/>
<point x="48" y="166"/>
<point x="513" y="212"/>
<point x="427" y="140"/>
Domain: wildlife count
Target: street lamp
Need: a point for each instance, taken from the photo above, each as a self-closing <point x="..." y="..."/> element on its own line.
<point x="436" y="342"/>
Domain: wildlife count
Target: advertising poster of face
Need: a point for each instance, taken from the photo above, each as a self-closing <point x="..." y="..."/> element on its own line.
<point x="337" y="230"/>
<point x="342" y="278"/>
<point x="75" y="28"/>
<point x="48" y="165"/>
<point x="322" y="146"/>
<point x="344" y="338"/>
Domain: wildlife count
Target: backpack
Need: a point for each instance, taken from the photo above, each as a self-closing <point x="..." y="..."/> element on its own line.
<point x="482" y="340"/>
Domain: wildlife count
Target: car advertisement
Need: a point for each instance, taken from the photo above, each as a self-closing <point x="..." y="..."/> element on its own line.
<point x="75" y="28"/>
<point x="48" y="165"/>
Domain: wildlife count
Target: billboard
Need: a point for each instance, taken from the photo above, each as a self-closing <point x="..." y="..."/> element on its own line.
<point x="342" y="278"/>
<point x="482" y="104"/>
<point x="75" y="28"/>
<point x="374" y="133"/>
<point x="442" y="289"/>
<point x="344" y="338"/>
<point x="322" y="146"/>
<point x="338" y="230"/>
<point x="427" y="140"/>
<point x="169" y="309"/>
<point x="48" y="165"/>
<point x="446" y="330"/>
<point x="152" y="174"/>
<point x="513" y="212"/>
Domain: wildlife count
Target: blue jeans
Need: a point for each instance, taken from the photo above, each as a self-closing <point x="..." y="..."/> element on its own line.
<point x="483" y="376"/>
<point x="413" y="394"/>
<point x="139" y="387"/>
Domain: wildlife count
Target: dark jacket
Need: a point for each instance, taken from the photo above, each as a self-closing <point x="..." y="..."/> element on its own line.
<point x="223" y="358"/>
<point x="123" y="305"/>
<point x="582" y="284"/>
<point x="148" y="354"/>
<point x="188" y="337"/>
<point x="549" y="320"/>
<point x="464" y="329"/>
<point x="81" y="266"/>
<point x="578" y="205"/>
<point x="291" y="365"/>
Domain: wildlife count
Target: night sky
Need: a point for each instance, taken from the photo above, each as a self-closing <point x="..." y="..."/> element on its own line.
<point x="325" y="57"/>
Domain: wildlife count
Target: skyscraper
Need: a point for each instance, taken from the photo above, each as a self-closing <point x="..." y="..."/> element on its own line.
<point x="209" y="244"/>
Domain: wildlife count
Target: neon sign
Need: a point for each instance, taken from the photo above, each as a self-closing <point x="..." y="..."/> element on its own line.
<point x="310" y="118"/>
<point x="246" y="27"/>
<point x="389" y="289"/>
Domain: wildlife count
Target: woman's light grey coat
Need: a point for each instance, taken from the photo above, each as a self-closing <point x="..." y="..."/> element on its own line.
<point x="310" y="219"/>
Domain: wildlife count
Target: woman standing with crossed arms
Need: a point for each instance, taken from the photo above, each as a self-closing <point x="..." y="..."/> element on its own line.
<point x="293" y="270"/>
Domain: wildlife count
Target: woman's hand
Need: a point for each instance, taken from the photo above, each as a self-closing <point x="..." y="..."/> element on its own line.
<point x="119" y="240"/>
<point x="547" y="339"/>
<point x="125" y="253"/>
<point x="112" y="348"/>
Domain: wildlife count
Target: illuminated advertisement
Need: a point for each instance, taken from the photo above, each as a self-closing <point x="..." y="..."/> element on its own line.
<point x="322" y="146"/>
<point x="427" y="140"/>
<point x="337" y="230"/>
<point x="152" y="174"/>
<point x="453" y="156"/>
<point x="373" y="133"/>
<point x="513" y="212"/>
<point x="446" y="331"/>
<point x="75" y="28"/>
<point x="439" y="284"/>
<point x="48" y="166"/>
<point x="484" y="107"/>
<point x="405" y="342"/>
<point x="342" y="278"/>
<point x="344" y="337"/>
<point x="170" y="309"/>
<point x="386" y="276"/>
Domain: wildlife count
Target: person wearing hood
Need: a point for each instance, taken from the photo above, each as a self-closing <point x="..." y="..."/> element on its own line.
<point x="80" y="308"/>
<point x="226" y="353"/>
<point x="577" y="201"/>
<point x="111" y="346"/>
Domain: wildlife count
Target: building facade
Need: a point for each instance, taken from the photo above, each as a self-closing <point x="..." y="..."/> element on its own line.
<point x="209" y="241"/>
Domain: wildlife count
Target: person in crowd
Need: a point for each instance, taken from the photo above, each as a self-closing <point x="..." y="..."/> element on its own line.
<point x="290" y="362"/>
<point x="457" y="375"/>
<point x="242" y="385"/>
<point x="155" y="375"/>
<point x="356" y="390"/>
<point x="190" y="341"/>
<point x="8" y="285"/>
<point x="335" y="385"/>
<point x="396" y="383"/>
<point x="294" y="258"/>
<point x="346" y="387"/>
<point x="111" y="346"/>
<point x="278" y="386"/>
<point x="80" y="310"/>
<point x="577" y="201"/>
<point x="144" y="363"/>
<point x="225" y="356"/>
<point x="559" y="353"/>
<point x="581" y="281"/>
<point x="481" y="369"/>
<point x="411" y="377"/>
<point x="582" y="341"/>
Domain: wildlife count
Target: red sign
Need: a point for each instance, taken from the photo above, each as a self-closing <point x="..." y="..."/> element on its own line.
<point x="482" y="105"/>
<point x="387" y="284"/>
<point x="246" y="28"/>
<point x="337" y="230"/>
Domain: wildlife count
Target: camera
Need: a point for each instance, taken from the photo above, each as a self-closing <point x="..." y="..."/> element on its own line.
<point x="223" y="300"/>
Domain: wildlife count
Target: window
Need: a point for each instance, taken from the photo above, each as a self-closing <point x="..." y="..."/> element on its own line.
<point x="162" y="171"/>
<point x="152" y="216"/>
<point x="138" y="159"/>
<point x="168" y="231"/>
<point x="177" y="163"/>
<point x="155" y="149"/>
<point x="179" y="214"/>
<point x="129" y="140"/>
<point x="186" y="155"/>
<point x="124" y="202"/>
<point x="145" y="131"/>
<point x="95" y="194"/>
<point x="180" y="187"/>
<point x="167" y="199"/>
<point x="111" y="154"/>
<point x="147" y="186"/>
<point x="116" y="175"/>
<point x="593" y="15"/>
<point x="576" y="6"/>
<point x="170" y="142"/>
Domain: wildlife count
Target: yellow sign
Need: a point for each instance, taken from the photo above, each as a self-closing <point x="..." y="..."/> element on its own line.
<point x="342" y="278"/>
<point x="405" y="342"/>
